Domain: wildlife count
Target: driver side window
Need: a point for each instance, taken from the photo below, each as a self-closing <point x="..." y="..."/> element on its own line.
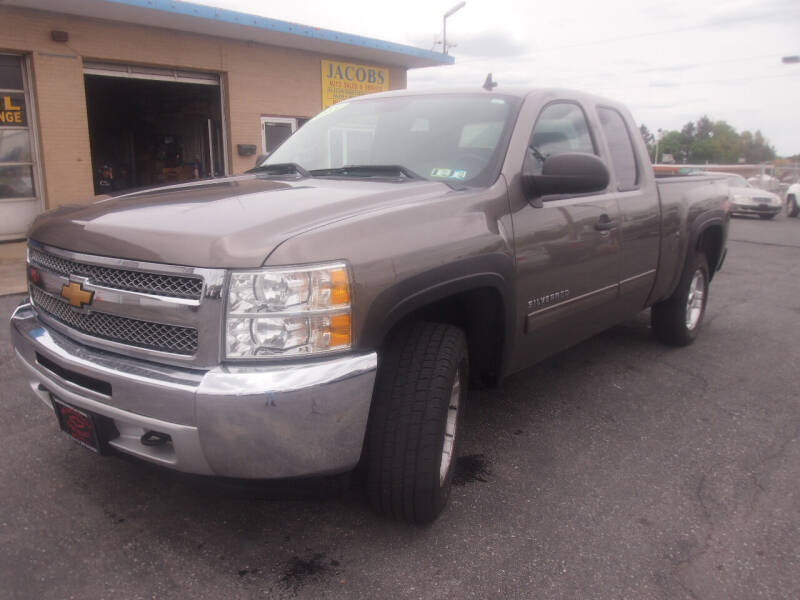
<point x="561" y="127"/>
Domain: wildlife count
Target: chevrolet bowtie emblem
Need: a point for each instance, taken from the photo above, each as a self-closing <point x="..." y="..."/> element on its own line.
<point x="76" y="295"/>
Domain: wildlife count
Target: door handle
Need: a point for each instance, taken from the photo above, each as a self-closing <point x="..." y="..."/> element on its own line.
<point x="604" y="223"/>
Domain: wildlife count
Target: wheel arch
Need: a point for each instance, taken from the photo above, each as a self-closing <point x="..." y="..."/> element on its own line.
<point x="710" y="240"/>
<point x="478" y="302"/>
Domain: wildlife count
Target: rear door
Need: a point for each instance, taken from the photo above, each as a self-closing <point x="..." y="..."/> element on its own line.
<point x="567" y="247"/>
<point x="640" y="223"/>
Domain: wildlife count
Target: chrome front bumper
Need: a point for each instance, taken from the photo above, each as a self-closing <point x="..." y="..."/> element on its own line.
<point x="288" y="420"/>
<point x="755" y="209"/>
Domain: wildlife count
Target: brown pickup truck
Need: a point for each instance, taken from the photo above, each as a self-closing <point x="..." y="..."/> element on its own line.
<point x="332" y="307"/>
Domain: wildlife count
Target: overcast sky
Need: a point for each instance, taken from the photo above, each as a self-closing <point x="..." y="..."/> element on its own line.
<point x="671" y="61"/>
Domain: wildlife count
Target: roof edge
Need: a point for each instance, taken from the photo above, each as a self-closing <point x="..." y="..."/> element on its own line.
<point x="226" y="23"/>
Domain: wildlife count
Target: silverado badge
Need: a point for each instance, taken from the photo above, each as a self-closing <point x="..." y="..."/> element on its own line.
<point x="77" y="296"/>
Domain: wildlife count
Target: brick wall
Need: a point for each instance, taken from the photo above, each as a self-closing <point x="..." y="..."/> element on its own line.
<point x="260" y="80"/>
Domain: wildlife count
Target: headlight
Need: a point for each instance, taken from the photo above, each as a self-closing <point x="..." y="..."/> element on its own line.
<point x="741" y="199"/>
<point x="284" y="312"/>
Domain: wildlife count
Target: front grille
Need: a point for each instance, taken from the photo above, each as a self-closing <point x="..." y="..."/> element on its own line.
<point x="762" y="200"/>
<point x="153" y="336"/>
<point x="173" y="286"/>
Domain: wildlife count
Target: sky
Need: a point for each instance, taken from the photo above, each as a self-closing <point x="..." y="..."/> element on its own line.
<point x="670" y="61"/>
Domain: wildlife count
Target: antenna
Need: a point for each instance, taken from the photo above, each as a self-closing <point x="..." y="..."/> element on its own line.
<point x="489" y="85"/>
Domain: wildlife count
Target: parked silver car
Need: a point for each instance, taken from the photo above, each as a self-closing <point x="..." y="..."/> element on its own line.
<point x="749" y="200"/>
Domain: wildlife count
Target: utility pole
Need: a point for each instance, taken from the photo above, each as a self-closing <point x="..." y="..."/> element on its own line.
<point x="655" y="152"/>
<point x="449" y="13"/>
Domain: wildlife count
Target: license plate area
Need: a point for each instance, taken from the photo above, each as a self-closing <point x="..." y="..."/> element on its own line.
<point x="89" y="430"/>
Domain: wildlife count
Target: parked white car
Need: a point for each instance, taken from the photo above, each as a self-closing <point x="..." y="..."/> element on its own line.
<point x="793" y="200"/>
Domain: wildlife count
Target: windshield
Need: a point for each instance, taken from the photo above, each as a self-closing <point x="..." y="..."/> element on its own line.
<point x="737" y="181"/>
<point x="456" y="139"/>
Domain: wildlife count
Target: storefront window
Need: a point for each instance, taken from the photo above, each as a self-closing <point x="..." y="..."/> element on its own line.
<point x="19" y="187"/>
<point x="15" y="146"/>
<point x="10" y="72"/>
<point x="16" y="160"/>
<point x="16" y="181"/>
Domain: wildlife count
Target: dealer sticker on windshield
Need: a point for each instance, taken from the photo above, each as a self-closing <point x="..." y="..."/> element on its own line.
<point x="449" y="173"/>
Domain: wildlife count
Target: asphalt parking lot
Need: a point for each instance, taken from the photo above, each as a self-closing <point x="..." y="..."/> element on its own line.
<point x="617" y="469"/>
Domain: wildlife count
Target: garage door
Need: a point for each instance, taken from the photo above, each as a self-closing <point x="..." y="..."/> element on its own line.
<point x="152" y="73"/>
<point x="153" y="125"/>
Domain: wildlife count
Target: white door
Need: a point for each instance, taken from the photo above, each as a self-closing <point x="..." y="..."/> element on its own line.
<point x="20" y="192"/>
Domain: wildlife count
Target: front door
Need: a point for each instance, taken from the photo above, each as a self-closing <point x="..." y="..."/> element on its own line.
<point x="567" y="249"/>
<point x="20" y="195"/>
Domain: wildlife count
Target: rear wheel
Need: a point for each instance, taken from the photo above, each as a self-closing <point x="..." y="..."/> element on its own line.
<point x="677" y="320"/>
<point x="415" y="420"/>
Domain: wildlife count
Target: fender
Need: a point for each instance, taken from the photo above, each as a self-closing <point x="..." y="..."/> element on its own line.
<point x="493" y="271"/>
<point x="696" y="222"/>
<point x="705" y="222"/>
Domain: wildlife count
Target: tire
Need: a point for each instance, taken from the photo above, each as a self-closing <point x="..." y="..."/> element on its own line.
<point x="416" y="416"/>
<point x="793" y="207"/>
<point x="772" y="216"/>
<point x="677" y="320"/>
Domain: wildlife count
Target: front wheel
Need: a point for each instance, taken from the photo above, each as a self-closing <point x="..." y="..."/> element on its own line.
<point x="676" y="321"/>
<point x="415" y="420"/>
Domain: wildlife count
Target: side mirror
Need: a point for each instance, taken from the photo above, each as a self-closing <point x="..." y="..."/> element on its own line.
<point x="568" y="173"/>
<point x="261" y="158"/>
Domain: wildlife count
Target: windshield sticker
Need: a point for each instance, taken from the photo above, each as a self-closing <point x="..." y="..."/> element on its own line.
<point x="498" y="101"/>
<point x="449" y="173"/>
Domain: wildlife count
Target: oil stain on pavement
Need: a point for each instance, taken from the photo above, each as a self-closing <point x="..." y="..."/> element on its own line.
<point x="471" y="468"/>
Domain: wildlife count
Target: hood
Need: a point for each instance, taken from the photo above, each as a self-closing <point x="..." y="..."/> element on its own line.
<point x="234" y="222"/>
<point x="751" y="192"/>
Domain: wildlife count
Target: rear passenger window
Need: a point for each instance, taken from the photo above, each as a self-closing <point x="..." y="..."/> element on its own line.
<point x="621" y="148"/>
<point x="561" y="127"/>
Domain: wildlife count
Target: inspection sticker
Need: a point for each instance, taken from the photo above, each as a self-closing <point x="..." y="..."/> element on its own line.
<point x="441" y="172"/>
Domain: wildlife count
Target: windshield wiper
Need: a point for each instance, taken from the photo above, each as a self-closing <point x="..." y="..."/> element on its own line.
<point x="537" y="153"/>
<point x="288" y="168"/>
<point x="368" y="171"/>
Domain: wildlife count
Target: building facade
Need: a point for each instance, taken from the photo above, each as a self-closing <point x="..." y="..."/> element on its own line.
<point x="101" y="96"/>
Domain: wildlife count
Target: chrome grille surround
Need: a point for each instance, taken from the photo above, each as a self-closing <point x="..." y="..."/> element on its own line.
<point x="144" y="334"/>
<point x="171" y="286"/>
<point x="168" y="329"/>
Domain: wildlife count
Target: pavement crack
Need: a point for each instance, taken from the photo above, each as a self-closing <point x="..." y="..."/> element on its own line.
<point x="781" y="451"/>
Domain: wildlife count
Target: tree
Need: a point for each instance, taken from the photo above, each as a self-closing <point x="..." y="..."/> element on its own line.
<point x="702" y="151"/>
<point x="649" y="138"/>
<point x="760" y="150"/>
<point x="687" y="139"/>
<point x="726" y="144"/>
<point x="708" y="141"/>
<point x="704" y="128"/>
<point x="670" y="144"/>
